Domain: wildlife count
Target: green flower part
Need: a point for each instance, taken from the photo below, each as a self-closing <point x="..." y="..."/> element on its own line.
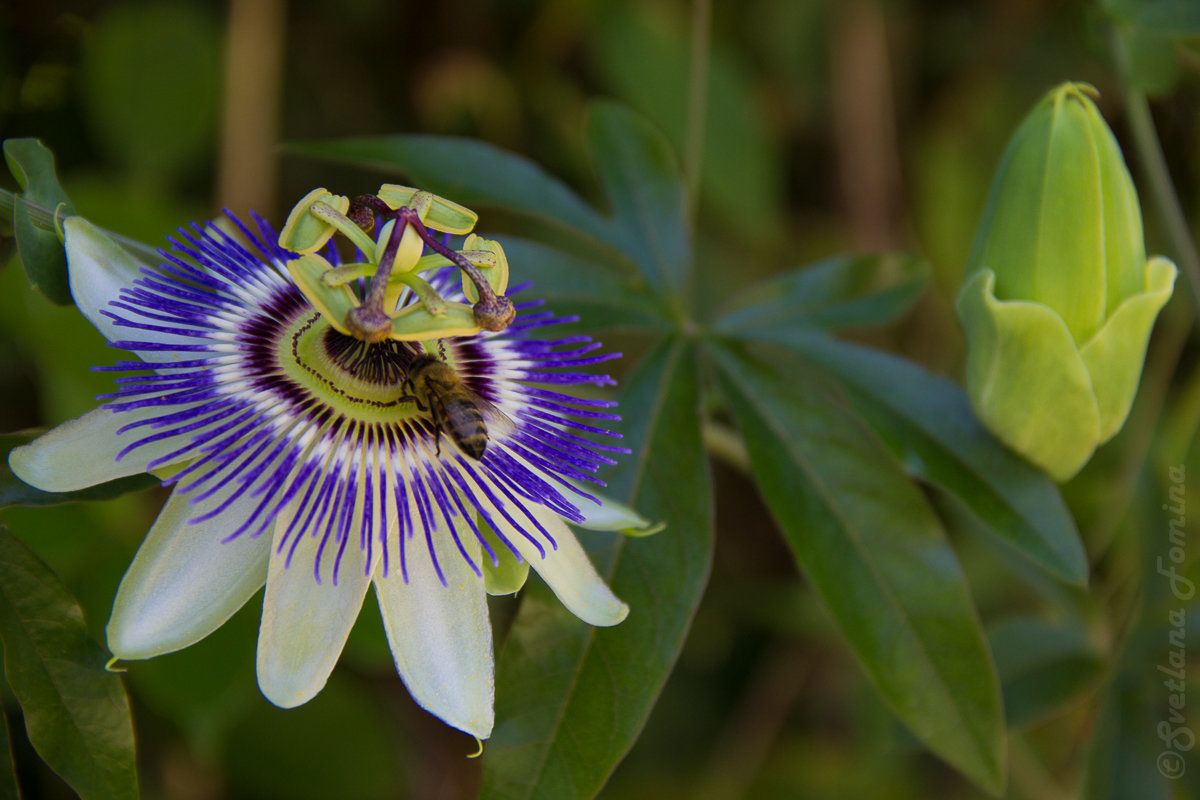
<point x="412" y="230"/>
<point x="1060" y="299"/>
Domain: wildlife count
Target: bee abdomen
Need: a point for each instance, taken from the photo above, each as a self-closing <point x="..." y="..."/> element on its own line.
<point x="465" y="425"/>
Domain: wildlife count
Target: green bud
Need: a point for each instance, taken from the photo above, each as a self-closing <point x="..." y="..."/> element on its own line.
<point x="306" y="233"/>
<point x="1059" y="298"/>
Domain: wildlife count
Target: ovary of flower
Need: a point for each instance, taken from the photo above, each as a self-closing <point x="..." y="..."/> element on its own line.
<point x="297" y="464"/>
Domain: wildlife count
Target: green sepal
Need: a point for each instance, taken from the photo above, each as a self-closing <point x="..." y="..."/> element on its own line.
<point x="334" y="302"/>
<point x="509" y="574"/>
<point x="415" y="323"/>
<point x="1026" y="379"/>
<point x="1114" y="356"/>
<point x="444" y="215"/>
<point x="305" y="233"/>
<point x="496" y="273"/>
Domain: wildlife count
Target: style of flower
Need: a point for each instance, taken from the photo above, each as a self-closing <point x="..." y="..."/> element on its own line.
<point x="300" y="459"/>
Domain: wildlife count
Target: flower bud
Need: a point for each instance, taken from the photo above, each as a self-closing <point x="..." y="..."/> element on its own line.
<point x="1059" y="298"/>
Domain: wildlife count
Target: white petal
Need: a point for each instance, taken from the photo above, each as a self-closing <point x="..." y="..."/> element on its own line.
<point x="305" y="623"/>
<point x="184" y="582"/>
<point x="566" y="569"/>
<point x="83" y="452"/>
<point x="98" y="269"/>
<point x="440" y="635"/>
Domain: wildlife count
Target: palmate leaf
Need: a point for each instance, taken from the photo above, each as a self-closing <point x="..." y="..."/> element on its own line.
<point x="839" y="292"/>
<point x="875" y="552"/>
<point x="76" y="712"/>
<point x="571" y="699"/>
<point x="32" y="164"/>
<point x="641" y="179"/>
<point x="928" y="423"/>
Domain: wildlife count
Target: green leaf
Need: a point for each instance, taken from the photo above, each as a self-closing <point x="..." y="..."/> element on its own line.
<point x="76" y="712"/>
<point x="571" y="699"/>
<point x="15" y="492"/>
<point x="875" y="552"/>
<point x="839" y="292"/>
<point x="470" y="172"/>
<point x="32" y="164"/>
<point x="574" y="283"/>
<point x="928" y="423"/>
<point x="9" y="788"/>
<point x="1044" y="667"/>
<point x="641" y="178"/>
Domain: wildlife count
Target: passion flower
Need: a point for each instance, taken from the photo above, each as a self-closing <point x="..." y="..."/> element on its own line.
<point x="300" y="459"/>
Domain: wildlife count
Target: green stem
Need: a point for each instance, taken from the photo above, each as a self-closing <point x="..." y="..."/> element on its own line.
<point x="1154" y="167"/>
<point x="43" y="218"/>
<point x="693" y="153"/>
<point x="724" y="443"/>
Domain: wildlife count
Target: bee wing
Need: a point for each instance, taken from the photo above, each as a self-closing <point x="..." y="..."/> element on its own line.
<point x="499" y="424"/>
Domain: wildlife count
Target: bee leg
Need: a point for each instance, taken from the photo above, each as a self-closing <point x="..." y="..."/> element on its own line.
<point x="437" y="432"/>
<point x="412" y="398"/>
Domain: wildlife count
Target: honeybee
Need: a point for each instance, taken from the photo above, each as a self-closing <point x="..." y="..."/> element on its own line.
<point x="437" y="389"/>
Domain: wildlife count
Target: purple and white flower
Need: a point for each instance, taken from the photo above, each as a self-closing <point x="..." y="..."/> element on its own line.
<point x="295" y="464"/>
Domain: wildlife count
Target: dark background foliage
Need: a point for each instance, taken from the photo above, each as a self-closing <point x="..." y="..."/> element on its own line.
<point x="831" y="127"/>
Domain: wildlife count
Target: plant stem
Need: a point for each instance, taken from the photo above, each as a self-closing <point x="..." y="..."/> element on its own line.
<point x="1154" y="167"/>
<point x="724" y="443"/>
<point x="693" y="153"/>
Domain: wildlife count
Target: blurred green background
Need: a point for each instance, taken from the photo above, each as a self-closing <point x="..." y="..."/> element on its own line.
<point x="831" y="127"/>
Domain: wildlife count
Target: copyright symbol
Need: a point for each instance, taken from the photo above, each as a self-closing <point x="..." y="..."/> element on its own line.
<point x="1171" y="764"/>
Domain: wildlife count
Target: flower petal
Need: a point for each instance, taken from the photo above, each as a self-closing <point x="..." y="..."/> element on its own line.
<point x="98" y="269"/>
<point x="305" y="623"/>
<point x="83" y="452"/>
<point x="565" y="568"/>
<point x="440" y="635"/>
<point x="184" y="582"/>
